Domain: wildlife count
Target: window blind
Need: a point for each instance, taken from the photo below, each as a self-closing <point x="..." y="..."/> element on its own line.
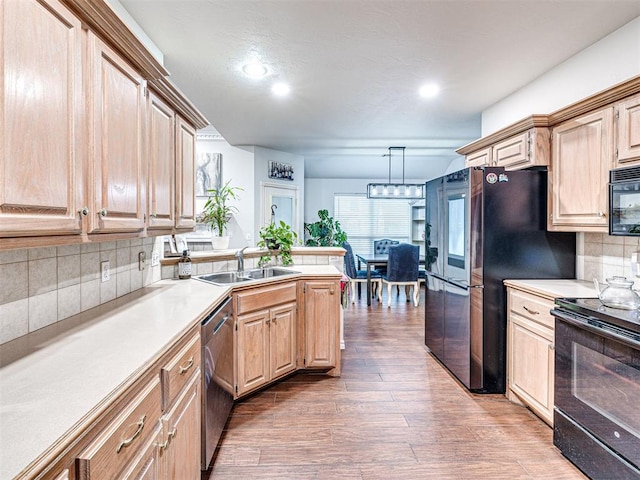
<point x="368" y="219"/>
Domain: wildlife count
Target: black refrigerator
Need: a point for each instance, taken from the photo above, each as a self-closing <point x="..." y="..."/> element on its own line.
<point x="484" y="225"/>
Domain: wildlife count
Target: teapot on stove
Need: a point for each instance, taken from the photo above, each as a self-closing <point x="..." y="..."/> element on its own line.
<point x="618" y="293"/>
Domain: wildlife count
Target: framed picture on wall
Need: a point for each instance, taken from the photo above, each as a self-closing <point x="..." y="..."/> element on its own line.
<point x="280" y="171"/>
<point x="208" y="173"/>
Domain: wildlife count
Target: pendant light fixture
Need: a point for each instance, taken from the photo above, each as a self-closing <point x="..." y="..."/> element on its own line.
<point x="395" y="190"/>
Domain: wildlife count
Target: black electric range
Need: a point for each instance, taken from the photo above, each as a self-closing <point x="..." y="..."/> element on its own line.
<point x="597" y="387"/>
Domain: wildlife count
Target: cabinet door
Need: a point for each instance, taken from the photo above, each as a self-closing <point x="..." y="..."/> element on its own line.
<point x="252" y="351"/>
<point x="282" y="342"/>
<point x="118" y="106"/>
<point x="322" y="318"/>
<point x="185" y="172"/>
<point x="628" y="148"/>
<point x="182" y="435"/>
<point x="41" y="132"/>
<point x="582" y="158"/>
<point x="146" y="465"/>
<point x="480" y="158"/>
<point x="162" y="163"/>
<point x="531" y="365"/>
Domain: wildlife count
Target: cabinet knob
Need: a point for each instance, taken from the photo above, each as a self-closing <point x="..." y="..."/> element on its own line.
<point x="152" y="215"/>
<point x="103" y="212"/>
<point x="601" y="214"/>
<point x="84" y="211"/>
<point x="552" y="347"/>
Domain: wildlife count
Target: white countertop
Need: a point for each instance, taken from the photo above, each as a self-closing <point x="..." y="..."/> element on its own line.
<point x="556" y="288"/>
<point x="57" y="377"/>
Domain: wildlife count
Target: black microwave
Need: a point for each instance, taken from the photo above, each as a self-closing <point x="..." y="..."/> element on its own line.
<point x="624" y="201"/>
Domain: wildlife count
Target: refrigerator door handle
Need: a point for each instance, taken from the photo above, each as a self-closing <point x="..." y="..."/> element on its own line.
<point x="437" y="276"/>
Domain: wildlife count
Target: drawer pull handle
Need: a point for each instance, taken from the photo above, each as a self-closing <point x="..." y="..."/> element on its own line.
<point x="129" y="441"/>
<point x="186" y="368"/>
<point x="532" y="312"/>
<point x="170" y="436"/>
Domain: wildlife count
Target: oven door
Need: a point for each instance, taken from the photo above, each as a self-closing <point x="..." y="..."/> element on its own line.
<point x="597" y="381"/>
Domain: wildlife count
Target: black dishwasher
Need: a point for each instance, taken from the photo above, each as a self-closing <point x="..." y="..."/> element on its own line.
<point x="217" y="376"/>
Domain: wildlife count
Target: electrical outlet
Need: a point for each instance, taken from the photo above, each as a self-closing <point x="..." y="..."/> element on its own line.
<point x="142" y="261"/>
<point x="104" y="271"/>
<point x="155" y="258"/>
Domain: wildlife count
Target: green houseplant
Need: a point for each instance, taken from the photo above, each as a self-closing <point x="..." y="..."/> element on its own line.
<point x="325" y="232"/>
<point x="278" y="238"/>
<point x="217" y="212"/>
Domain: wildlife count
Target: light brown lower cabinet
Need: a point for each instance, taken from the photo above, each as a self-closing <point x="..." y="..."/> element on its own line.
<point x="530" y="352"/>
<point x="180" y="448"/>
<point x="265" y="338"/>
<point x="322" y="325"/>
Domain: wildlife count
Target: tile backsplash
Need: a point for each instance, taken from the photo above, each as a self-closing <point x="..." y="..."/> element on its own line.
<point x="40" y="286"/>
<point x="602" y="256"/>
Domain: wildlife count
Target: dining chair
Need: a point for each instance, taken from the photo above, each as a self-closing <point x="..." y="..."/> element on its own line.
<point x="359" y="276"/>
<point x="382" y="246"/>
<point x="402" y="269"/>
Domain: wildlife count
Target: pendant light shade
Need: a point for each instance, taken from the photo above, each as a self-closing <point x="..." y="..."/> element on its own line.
<point x="395" y="190"/>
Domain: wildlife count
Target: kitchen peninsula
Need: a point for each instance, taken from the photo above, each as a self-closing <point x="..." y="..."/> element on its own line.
<point x="72" y="381"/>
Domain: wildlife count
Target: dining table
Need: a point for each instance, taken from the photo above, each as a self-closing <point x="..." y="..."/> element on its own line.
<point x="372" y="260"/>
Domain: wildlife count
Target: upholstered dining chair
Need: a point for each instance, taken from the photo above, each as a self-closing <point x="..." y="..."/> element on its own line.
<point x="382" y="246"/>
<point x="402" y="269"/>
<point x="359" y="276"/>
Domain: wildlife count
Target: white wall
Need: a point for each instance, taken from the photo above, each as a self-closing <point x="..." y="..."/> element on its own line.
<point x="262" y="157"/>
<point x="238" y="167"/>
<point x="612" y="60"/>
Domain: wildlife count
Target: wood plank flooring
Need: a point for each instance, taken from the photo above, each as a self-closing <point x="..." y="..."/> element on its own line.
<point x="395" y="413"/>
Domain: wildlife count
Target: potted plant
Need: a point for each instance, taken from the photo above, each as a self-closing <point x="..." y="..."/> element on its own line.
<point x="278" y="238"/>
<point x="217" y="212"/>
<point x="325" y="232"/>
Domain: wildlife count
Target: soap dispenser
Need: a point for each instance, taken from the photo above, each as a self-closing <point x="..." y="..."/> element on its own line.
<point x="184" y="266"/>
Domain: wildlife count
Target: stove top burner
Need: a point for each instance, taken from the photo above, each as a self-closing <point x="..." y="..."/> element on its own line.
<point x="592" y="307"/>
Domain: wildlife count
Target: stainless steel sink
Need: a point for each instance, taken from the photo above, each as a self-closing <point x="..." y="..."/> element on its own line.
<point x="229" y="278"/>
<point x="223" y="278"/>
<point x="259" y="273"/>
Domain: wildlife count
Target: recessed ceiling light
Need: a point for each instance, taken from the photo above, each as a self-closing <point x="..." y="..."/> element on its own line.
<point x="254" y="70"/>
<point x="280" y="89"/>
<point x="429" y="90"/>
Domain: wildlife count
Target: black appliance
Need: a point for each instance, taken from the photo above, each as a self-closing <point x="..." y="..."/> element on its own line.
<point x="488" y="225"/>
<point x="217" y="377"/>
<point x="624" y="201"/>
<point x="597" y="388"/>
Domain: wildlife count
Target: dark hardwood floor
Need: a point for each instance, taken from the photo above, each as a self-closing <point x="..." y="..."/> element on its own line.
<point x="395" y="413"/>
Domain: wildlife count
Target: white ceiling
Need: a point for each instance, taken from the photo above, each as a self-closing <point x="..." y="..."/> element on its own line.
<point x="355" y="66"/>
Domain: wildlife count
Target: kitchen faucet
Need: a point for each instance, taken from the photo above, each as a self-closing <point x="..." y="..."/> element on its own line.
<point x="240" y="257"/>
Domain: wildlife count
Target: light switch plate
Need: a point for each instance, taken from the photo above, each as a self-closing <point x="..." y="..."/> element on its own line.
<point x="142" y="261"/>
<point x="105" y="271"/>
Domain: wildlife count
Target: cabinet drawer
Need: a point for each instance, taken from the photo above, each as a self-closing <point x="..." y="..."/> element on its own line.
<point x="117" y="444"/>
<point x="264" y="297"/>
<point x="532" y="307"/>
<point x="177" y="372"/>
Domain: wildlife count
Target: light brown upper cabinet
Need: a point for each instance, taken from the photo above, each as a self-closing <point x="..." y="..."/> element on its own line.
<point x="161" y="128"/>
<point x="628" y="132"/>
<point x="481" y="158"/>
<point x="582" y="155"/>
<point x="527" y="149"/>
<point x="117" y="96"/>
<point x="41" y="143"/>
<point x="185" y="175"/>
